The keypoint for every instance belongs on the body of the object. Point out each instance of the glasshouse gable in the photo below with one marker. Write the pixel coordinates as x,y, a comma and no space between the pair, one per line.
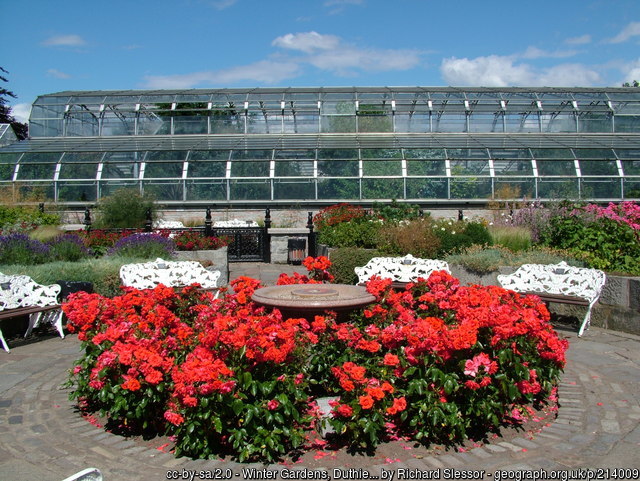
318,146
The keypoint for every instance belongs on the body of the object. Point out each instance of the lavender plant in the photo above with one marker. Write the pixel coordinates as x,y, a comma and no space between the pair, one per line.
68,247
144,246
18,248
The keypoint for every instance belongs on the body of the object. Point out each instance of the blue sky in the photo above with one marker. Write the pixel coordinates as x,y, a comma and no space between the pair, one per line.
55,45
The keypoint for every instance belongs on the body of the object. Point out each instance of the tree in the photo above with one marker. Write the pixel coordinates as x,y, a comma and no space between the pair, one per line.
635,83
21,130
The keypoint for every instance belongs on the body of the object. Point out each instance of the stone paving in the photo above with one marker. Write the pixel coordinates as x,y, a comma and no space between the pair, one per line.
598,425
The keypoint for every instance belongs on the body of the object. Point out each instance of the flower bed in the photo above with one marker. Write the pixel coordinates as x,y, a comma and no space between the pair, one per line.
437,362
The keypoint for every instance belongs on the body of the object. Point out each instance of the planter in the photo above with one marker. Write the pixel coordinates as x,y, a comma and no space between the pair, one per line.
217,258
69,287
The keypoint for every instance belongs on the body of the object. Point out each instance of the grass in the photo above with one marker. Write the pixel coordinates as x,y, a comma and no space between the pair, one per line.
514,238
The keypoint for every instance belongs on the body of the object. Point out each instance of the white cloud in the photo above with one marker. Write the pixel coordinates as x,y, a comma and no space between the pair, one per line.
631,71
503,71
265,71
306,42
581,40
21,112
343,60
534,52
64,41
52,72
631,30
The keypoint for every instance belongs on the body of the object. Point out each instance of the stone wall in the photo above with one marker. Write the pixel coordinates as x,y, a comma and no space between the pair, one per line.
217,257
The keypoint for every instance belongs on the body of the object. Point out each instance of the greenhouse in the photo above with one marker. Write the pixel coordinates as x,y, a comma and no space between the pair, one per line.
320,146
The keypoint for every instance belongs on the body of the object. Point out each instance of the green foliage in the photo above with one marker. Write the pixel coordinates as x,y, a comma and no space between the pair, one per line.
483,260
395,211
603,243
144,246
344,260
18,248
456,235
125,208
416,237
358,232
515,238
12,218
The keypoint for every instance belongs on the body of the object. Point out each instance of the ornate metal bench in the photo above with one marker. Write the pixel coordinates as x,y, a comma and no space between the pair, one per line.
170,273
22,296
400,269
558,283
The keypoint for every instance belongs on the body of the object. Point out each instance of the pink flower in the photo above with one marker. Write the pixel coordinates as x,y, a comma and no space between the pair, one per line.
273,404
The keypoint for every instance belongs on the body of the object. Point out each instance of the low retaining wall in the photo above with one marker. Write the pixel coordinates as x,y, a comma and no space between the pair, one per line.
217,257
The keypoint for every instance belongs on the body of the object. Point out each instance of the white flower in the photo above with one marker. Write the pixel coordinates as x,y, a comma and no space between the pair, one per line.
441,228
453,232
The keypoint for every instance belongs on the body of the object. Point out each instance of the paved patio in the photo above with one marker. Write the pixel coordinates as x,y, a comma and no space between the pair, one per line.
42,437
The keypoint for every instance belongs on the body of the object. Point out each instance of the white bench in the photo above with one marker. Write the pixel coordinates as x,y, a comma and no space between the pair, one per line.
170,273
400,270
558,283
22,296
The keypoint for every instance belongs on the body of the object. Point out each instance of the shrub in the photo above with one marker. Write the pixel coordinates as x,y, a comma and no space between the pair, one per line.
514,238
358,232
68,247
337,214
415,237
24,218
143,246
124,208
344,260
395,211
21,249
456,235
100,241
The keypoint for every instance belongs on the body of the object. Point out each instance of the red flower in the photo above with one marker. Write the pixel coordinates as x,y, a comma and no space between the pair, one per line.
390,359
273,404
344,411
366,402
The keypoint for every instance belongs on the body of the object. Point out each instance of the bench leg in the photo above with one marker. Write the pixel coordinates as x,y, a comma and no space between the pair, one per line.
34,320
58,322
4,343
587,321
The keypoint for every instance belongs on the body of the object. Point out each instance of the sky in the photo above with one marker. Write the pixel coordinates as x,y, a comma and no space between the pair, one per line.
56,45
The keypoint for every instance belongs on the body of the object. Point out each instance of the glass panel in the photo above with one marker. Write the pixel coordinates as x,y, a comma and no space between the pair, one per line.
209,155
425,154
227,121
294,168
595,122
513,167
82,157
632,188
522,122
247,168
337,189
119,165
207,169
450,123
596,154
264,124
338,116
9,158
337,153
418,122
558,188
385,168
603,188
40,157
556,167
6,171
338,168
432,188
119,123
163,170
207,190
78,170
109,187
36,171
552,154
295,154
470,188
520,188
250,190
303,189
251,154
466,167
381,153
598,167
622,123
382,189
467,154
165,155
183,125
426,167
558,123
631,167
34,190
164,190
76,192
486,122
82,124
374,118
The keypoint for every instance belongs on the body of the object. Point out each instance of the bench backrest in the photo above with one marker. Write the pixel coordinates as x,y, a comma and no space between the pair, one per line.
560,279
172,274
400,269
22,291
